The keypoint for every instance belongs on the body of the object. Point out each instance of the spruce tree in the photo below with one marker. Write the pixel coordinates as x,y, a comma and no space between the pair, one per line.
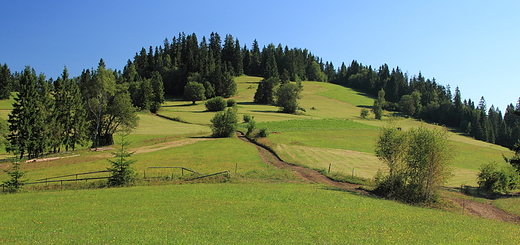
158,92
24,118
121,171
5,82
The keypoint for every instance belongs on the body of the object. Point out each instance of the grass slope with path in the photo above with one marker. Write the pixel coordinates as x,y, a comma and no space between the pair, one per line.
261,203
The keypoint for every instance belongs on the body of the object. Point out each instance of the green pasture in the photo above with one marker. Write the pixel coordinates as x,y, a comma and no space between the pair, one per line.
320,142
509,204
260,204
6,106
204,155
247,213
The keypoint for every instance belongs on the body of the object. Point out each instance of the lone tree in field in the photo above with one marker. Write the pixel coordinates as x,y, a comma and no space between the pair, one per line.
194,91
287,96
417,162
364,113
377,108
224,123
15,182
121,171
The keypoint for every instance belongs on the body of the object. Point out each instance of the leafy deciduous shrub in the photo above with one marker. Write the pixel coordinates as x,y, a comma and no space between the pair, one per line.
364,113
262,133
494,180
224,123
216,104
247,118
231,103
417,162
250,127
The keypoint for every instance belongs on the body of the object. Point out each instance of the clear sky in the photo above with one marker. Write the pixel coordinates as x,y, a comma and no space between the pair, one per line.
471,44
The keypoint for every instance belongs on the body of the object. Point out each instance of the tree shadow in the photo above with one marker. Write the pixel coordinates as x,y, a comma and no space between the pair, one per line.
361,193
202,137
266,111
247,103
183,105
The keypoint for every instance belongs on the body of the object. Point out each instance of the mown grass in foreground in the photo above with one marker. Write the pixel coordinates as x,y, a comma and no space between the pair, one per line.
253,213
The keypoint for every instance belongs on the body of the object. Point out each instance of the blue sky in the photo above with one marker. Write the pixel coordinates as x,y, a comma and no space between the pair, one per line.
470,44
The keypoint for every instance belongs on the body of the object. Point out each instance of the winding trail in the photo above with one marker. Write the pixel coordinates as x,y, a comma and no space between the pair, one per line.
484,210
308,175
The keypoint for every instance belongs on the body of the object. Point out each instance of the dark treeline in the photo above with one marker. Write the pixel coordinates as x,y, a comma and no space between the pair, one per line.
213,62
425,99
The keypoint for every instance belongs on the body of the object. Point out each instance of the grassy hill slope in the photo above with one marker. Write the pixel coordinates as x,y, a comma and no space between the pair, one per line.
260,204
247,213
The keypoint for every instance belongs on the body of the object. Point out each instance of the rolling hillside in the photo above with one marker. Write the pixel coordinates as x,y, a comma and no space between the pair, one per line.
259,199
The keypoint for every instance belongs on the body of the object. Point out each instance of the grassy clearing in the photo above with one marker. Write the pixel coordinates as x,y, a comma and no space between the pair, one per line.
509,204
252,213
204,155
343,162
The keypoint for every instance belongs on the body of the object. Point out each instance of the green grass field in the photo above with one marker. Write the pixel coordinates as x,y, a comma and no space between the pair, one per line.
248,213
259,204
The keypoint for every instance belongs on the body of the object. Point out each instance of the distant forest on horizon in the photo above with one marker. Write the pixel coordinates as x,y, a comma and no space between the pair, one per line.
213,62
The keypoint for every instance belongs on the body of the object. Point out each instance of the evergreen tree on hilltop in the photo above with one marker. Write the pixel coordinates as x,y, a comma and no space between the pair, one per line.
25,117
158,92
5,82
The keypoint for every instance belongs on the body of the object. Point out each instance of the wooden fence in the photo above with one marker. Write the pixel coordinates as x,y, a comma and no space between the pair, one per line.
189,170
77,177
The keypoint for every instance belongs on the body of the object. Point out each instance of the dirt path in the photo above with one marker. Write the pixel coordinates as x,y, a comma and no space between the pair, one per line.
306,174
484,210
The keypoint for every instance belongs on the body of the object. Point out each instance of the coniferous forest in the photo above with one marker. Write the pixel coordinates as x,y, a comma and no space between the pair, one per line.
51,114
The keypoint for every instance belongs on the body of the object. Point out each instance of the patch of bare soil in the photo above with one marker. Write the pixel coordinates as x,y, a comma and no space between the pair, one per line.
306,174
166,145
484,210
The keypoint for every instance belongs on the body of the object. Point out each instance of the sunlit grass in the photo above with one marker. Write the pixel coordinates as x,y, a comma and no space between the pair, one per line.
509,204
252,213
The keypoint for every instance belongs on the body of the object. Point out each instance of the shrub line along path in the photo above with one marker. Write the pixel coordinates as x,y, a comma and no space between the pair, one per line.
484,210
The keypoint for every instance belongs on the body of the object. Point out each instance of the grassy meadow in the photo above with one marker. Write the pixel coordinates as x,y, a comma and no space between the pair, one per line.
259,204
245,213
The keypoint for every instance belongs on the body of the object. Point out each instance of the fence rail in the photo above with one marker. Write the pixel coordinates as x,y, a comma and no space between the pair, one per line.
56,179
209,175
183,168
70,175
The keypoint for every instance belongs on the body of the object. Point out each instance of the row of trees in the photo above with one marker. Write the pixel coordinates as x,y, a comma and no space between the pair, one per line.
425,99
213,62
48,115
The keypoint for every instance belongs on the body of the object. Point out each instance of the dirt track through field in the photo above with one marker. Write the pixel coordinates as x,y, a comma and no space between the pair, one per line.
484,210
306,174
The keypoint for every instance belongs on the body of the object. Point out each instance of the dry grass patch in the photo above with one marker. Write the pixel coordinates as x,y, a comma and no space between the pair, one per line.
364,164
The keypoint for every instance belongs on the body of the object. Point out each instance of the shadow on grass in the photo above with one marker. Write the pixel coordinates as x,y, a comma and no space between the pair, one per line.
476,192
247,103
183,105
362,192
266,111
202,137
